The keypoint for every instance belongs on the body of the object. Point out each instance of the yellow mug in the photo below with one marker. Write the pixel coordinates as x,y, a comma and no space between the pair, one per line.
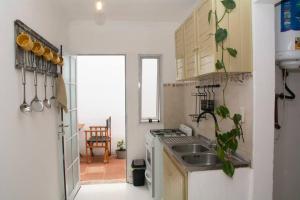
48,55
55,60
24,41
38,49
61,61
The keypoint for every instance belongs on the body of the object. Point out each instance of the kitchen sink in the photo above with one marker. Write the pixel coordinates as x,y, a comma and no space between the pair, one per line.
205,159
189,148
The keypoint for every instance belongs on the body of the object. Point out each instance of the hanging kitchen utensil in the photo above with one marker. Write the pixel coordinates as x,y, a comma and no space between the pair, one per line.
46,101
53,98
24,107
204,101
36,104
211,101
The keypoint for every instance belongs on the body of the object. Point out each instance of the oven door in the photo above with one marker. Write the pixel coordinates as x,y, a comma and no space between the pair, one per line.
149,173
149,156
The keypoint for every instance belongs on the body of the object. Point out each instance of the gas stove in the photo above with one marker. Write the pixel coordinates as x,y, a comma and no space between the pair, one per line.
154,158
167,132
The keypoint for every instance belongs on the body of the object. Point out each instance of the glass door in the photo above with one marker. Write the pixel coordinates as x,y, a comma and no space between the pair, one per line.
70,130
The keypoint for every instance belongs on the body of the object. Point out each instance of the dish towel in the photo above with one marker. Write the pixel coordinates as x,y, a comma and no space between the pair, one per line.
61,95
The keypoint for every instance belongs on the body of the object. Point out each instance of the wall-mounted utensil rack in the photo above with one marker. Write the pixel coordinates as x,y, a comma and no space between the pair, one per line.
28,60
205,99
208,86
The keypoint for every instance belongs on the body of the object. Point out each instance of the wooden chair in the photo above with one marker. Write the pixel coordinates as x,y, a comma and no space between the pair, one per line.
99,137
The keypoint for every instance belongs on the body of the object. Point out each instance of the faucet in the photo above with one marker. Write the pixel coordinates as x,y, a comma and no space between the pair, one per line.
214,117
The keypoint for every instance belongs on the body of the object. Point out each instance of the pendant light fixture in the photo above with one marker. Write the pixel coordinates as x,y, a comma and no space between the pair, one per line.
100,15
99,5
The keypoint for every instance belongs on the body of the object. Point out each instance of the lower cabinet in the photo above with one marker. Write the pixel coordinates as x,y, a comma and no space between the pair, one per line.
204,185
175,180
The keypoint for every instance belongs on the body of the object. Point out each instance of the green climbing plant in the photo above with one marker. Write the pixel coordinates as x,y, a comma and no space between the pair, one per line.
227,141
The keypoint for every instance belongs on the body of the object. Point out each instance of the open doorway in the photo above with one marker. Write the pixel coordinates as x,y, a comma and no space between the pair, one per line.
101,118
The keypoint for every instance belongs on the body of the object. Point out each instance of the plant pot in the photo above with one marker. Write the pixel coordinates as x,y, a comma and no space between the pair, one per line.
121,154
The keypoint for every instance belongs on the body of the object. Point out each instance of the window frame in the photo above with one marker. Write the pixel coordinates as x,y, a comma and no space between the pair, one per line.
140,85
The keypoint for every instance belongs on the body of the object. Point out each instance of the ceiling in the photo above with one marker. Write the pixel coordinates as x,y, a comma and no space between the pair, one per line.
128,10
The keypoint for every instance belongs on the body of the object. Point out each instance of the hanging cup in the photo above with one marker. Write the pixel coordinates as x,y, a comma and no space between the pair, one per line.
38,49
48,55
24,41
55,60
61,61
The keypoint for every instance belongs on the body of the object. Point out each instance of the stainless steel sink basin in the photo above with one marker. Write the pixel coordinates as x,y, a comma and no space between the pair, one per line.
189,148
205,159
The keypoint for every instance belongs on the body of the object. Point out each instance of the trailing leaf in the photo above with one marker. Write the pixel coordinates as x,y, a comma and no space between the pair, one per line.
223,111
220,153
209,16
228,168
229,4
227,142
221,35
236,132
232,52
232,144
219,65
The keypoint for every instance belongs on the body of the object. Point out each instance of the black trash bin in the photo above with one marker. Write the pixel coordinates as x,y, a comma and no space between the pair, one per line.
138,172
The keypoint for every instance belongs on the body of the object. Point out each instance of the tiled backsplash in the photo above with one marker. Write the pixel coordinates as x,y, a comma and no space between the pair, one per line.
179,104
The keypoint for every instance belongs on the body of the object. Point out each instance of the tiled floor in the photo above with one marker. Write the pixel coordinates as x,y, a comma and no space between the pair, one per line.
97,171
113,191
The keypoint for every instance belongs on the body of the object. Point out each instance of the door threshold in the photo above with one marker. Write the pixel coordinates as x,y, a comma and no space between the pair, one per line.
94,182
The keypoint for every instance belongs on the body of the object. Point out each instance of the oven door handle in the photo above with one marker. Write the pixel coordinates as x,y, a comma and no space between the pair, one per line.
147,177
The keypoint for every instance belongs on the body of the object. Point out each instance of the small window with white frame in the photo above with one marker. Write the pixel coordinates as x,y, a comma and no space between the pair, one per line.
149,88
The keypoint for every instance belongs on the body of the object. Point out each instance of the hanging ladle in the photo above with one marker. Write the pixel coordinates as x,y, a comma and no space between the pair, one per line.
36,104
24,107
46,101
52,99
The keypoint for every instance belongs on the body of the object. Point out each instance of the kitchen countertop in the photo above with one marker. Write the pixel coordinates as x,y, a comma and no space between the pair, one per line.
169,142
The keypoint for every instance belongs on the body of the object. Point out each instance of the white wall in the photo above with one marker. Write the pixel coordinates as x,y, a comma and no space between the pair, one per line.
100,94
30,168
263,98
130,38
286,154
238,95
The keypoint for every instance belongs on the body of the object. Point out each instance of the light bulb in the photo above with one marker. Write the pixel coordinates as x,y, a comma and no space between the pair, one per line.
99,5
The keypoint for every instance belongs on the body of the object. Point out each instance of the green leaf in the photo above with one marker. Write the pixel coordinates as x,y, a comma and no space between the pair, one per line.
223,112
219,65
233,144
222,140
228,168
220,153
221,35
209,16
229,4
235,132
232,52
237,118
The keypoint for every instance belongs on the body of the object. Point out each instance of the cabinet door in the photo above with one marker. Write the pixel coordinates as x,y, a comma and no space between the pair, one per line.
175,183
179,43
205,39
198,40
190,47
241,37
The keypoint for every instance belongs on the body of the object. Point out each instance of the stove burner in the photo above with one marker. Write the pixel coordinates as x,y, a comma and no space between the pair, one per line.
167,132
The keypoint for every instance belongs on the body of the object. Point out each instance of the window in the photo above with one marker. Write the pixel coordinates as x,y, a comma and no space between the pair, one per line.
149,86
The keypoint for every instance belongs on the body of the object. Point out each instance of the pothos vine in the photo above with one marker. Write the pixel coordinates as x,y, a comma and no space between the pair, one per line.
227,141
